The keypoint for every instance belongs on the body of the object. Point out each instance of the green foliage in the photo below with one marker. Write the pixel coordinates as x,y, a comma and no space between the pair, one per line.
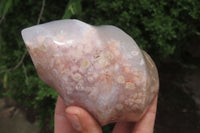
5,5
73,8
5,78
23,84
163,28
160,27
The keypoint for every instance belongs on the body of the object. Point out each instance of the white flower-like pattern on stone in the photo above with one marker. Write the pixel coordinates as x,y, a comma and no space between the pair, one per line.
99,68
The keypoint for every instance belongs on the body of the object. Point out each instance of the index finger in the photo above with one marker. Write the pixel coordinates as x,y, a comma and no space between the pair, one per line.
146,124
61,125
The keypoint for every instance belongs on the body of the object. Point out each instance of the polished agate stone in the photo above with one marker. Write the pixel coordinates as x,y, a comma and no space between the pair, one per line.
98,68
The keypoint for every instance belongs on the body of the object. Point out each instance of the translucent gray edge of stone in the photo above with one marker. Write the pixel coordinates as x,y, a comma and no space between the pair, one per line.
25,32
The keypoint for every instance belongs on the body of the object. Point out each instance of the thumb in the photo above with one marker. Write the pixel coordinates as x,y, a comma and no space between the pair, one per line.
82,121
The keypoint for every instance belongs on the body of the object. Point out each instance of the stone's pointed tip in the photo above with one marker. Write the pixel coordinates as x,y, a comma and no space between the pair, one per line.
23,32
27,35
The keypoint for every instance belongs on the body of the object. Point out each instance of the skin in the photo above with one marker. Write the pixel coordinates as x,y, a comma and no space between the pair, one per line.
64,121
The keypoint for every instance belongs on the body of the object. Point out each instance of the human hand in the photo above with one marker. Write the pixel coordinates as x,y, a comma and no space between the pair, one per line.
75,119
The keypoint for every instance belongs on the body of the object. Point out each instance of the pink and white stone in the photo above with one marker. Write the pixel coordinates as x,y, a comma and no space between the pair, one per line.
98,68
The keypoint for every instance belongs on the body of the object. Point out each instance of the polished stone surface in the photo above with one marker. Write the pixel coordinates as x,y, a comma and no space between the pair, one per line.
99,68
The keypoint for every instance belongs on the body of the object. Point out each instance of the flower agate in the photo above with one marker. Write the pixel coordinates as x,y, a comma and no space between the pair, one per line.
98,68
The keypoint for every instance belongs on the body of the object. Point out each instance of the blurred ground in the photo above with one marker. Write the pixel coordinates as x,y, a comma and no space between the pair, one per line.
13,120
179,97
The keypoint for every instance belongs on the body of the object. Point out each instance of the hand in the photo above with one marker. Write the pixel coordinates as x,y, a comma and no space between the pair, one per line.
75,119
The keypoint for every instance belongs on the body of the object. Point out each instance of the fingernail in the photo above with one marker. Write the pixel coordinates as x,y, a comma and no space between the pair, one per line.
75,121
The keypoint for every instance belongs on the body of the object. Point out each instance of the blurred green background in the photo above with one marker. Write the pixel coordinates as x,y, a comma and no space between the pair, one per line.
168,30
